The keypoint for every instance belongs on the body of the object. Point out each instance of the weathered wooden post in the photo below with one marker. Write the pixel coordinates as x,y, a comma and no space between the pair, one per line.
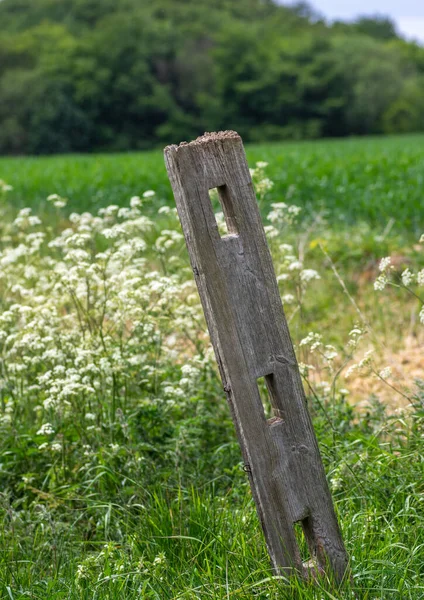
250,336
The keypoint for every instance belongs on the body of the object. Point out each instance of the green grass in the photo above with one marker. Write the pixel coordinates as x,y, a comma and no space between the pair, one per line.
159,507
371,179
112,539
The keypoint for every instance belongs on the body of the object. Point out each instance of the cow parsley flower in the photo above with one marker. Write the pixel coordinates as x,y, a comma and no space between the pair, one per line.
407,277
384,264
296,265
57,200
307,275
135,202
313,340
385,373
380,283
5,187
46,429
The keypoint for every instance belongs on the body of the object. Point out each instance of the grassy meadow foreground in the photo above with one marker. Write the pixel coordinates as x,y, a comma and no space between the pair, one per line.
120,475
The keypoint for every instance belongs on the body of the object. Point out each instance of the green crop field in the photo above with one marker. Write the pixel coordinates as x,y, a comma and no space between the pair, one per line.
120,474
374,179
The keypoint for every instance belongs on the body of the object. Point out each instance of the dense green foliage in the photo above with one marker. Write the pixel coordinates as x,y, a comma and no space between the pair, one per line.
78,75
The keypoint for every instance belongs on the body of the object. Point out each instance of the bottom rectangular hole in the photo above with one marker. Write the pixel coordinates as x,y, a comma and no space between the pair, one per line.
302,543
311,562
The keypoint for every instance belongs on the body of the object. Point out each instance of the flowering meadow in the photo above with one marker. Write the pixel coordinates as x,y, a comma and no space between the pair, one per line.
120,473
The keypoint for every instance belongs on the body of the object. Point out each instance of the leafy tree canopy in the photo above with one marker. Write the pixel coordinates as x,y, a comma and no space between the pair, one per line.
79,75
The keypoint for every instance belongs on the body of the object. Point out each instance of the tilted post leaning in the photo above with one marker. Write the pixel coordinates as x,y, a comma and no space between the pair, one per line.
239,293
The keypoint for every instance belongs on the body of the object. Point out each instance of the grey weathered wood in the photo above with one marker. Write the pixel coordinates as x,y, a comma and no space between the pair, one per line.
249,333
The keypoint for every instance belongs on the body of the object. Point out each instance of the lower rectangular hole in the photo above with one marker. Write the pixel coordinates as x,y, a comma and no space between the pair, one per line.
302,543
311,561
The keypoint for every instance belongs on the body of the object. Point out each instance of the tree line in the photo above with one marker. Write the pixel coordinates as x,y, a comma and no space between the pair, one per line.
82,75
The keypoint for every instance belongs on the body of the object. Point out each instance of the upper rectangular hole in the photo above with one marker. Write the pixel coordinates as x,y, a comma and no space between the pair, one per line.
266,389
223,209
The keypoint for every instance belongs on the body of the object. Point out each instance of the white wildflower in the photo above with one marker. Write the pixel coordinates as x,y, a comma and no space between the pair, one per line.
420,277
297,265
160,559
421,315
362,365
367,359
82,572
336,484
271,231
355,332
305,368
294,210
313,340
261,164
330,353
351,370
355,336
149,194
384,264
5,187
46,429
407,277
57,200
288,299
263,186
385,373
135,202
380,283
307,275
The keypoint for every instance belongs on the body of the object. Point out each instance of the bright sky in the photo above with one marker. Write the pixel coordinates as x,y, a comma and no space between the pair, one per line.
407,14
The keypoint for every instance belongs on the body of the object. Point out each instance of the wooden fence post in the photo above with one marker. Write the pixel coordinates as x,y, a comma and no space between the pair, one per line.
250,336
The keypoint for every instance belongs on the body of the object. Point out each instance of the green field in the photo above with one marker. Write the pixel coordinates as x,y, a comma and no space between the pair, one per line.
120,474
374,179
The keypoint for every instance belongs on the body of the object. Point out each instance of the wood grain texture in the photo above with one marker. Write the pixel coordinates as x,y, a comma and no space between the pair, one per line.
250,336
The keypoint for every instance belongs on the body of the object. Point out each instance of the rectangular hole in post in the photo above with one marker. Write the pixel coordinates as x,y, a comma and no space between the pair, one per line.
302,544
222,207
306,544
267,394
